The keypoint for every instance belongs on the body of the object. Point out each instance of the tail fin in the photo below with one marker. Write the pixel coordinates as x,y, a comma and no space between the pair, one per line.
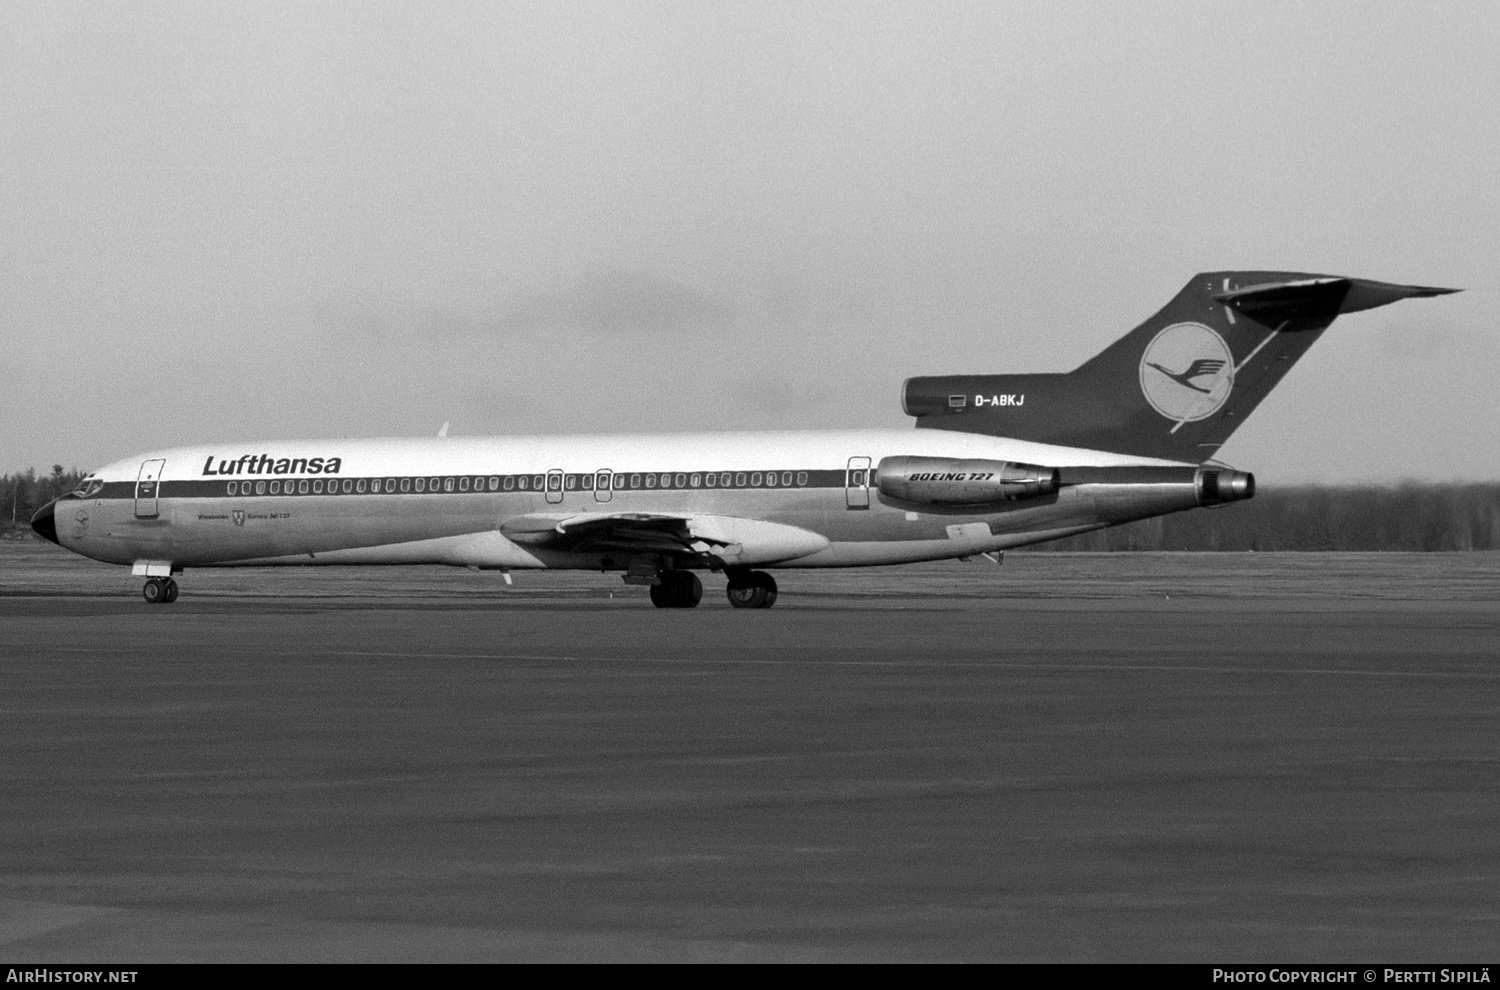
1174,387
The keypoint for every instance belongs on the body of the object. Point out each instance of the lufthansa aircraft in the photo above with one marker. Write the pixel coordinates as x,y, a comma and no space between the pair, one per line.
996,461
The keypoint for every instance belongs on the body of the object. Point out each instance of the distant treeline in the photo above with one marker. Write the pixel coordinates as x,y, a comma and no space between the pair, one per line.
23,494
1408,517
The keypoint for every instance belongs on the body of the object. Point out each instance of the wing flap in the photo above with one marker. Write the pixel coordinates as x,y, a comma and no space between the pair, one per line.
732,540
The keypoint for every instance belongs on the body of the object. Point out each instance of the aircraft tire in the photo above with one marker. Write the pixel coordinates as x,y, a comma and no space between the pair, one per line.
678,589
170,595
155,591
689,589
755,590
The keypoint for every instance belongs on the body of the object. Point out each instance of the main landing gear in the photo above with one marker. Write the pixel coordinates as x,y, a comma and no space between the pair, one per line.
682,589
678,589
757,589
160,591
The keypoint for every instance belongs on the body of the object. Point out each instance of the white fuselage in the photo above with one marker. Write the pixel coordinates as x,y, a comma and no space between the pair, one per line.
447,500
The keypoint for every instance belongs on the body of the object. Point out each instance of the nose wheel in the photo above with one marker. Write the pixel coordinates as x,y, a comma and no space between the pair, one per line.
754,590
159,591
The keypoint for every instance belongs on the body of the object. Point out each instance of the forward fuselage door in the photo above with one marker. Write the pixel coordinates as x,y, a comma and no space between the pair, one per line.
148,489
857,483
602,490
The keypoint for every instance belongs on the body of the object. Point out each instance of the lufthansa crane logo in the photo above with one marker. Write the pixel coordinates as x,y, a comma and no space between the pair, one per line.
1187,372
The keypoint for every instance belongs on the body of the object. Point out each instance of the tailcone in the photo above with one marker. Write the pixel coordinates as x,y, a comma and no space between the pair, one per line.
1219,486
44,522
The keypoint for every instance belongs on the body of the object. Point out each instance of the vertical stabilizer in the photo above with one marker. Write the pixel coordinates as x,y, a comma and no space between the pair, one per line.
1177,385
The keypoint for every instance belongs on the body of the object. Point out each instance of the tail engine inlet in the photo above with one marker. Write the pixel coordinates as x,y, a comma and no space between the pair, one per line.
953,481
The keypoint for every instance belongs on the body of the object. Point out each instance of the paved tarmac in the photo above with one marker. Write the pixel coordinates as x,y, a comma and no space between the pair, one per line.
1073,757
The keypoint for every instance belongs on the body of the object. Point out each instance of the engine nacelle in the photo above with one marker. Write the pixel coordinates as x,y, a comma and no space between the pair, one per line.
957,481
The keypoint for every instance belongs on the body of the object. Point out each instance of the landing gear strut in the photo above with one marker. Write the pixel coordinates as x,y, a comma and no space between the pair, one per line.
160,591
756,589
678,589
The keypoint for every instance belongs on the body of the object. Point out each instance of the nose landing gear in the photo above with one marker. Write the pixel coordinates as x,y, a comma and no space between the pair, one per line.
160,591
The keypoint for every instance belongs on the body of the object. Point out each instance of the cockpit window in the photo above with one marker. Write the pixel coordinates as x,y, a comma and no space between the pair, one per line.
89,487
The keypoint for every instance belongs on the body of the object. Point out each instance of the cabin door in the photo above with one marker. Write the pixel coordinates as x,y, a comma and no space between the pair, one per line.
147,489
857,483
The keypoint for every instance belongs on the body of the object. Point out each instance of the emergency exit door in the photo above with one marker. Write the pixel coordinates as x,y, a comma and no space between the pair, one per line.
857,483
147,489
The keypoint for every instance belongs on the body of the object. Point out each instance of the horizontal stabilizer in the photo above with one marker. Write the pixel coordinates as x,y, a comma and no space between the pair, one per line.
1321,296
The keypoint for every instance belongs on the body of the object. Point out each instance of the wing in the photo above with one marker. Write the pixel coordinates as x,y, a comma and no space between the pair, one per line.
730,540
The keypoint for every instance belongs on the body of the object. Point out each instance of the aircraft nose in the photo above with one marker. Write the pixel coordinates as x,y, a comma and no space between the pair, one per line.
43,522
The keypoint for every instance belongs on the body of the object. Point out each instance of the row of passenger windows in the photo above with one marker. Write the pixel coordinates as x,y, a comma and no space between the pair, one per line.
526,482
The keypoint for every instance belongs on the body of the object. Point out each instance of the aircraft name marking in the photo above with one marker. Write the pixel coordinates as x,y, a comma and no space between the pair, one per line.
954,476
266,464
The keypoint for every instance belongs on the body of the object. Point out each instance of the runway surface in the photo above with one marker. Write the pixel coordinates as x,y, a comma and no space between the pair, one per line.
1073,757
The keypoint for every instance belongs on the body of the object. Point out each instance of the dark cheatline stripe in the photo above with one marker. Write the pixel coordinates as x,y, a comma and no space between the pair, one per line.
621,482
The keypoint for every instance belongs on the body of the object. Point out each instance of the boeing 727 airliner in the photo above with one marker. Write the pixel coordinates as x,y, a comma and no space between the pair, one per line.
996,461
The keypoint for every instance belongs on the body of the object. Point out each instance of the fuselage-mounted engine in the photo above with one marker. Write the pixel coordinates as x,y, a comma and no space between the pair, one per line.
960,481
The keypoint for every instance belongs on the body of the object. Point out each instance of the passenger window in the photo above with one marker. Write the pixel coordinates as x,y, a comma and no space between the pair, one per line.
710,478
301,488
586,482
739,480
359,486
536,482
494,484
554,483
317,487
347,486
695,480
463,484
233,487
619,481
755,480
390,484
635,481
786,477
666,481
801,477
650,481
406,484
522,482
510,483
771,478
682,481
570,481
479,484
447,484
275,487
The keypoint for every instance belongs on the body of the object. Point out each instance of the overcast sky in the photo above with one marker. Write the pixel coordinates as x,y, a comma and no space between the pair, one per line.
230,222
